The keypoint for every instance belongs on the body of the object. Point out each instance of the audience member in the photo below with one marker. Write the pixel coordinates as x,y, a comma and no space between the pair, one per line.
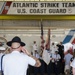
67,59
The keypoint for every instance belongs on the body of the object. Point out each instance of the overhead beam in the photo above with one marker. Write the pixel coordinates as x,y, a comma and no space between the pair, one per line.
37,17
32,28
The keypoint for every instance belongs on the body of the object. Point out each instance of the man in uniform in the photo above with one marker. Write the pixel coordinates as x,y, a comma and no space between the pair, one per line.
16,62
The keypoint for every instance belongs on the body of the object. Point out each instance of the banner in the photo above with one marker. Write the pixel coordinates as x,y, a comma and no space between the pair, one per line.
37,8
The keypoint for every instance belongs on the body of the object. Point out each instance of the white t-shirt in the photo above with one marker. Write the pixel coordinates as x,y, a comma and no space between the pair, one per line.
35,47
56,57
53,49
16,63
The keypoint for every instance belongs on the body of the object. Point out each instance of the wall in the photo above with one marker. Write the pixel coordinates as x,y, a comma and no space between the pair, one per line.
28,36
32,24
29,30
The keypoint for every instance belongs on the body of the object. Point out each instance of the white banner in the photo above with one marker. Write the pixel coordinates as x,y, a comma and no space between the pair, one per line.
40,8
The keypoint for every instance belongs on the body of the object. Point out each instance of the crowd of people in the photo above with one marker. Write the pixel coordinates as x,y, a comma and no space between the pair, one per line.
60,63
18,61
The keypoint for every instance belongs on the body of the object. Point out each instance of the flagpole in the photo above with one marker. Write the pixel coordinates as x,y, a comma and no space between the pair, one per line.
49,37
42,37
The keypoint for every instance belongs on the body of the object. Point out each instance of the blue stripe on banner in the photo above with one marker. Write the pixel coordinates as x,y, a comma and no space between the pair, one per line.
69,36
2,7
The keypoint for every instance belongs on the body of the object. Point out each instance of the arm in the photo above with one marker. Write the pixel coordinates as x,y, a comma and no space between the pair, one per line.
38,64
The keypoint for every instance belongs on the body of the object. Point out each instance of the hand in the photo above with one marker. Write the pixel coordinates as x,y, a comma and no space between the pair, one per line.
25,51
52,58
38,63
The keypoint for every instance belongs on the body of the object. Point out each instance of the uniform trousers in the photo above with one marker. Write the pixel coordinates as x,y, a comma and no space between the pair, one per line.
49,68
56,68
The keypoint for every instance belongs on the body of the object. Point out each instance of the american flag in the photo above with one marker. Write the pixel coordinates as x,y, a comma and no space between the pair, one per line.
46,55
48,40
42,37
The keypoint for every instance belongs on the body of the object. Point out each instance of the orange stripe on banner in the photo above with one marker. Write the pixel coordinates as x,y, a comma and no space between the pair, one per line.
6,7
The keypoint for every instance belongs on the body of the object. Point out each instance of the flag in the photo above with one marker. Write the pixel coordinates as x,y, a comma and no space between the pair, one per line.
68,46
46,54
42,38
46,57
48,40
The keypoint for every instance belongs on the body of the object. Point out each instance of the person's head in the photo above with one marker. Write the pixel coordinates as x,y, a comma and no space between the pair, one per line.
56,51
1,44
68,51
34,42
36,51
52,43
16,43
60,43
